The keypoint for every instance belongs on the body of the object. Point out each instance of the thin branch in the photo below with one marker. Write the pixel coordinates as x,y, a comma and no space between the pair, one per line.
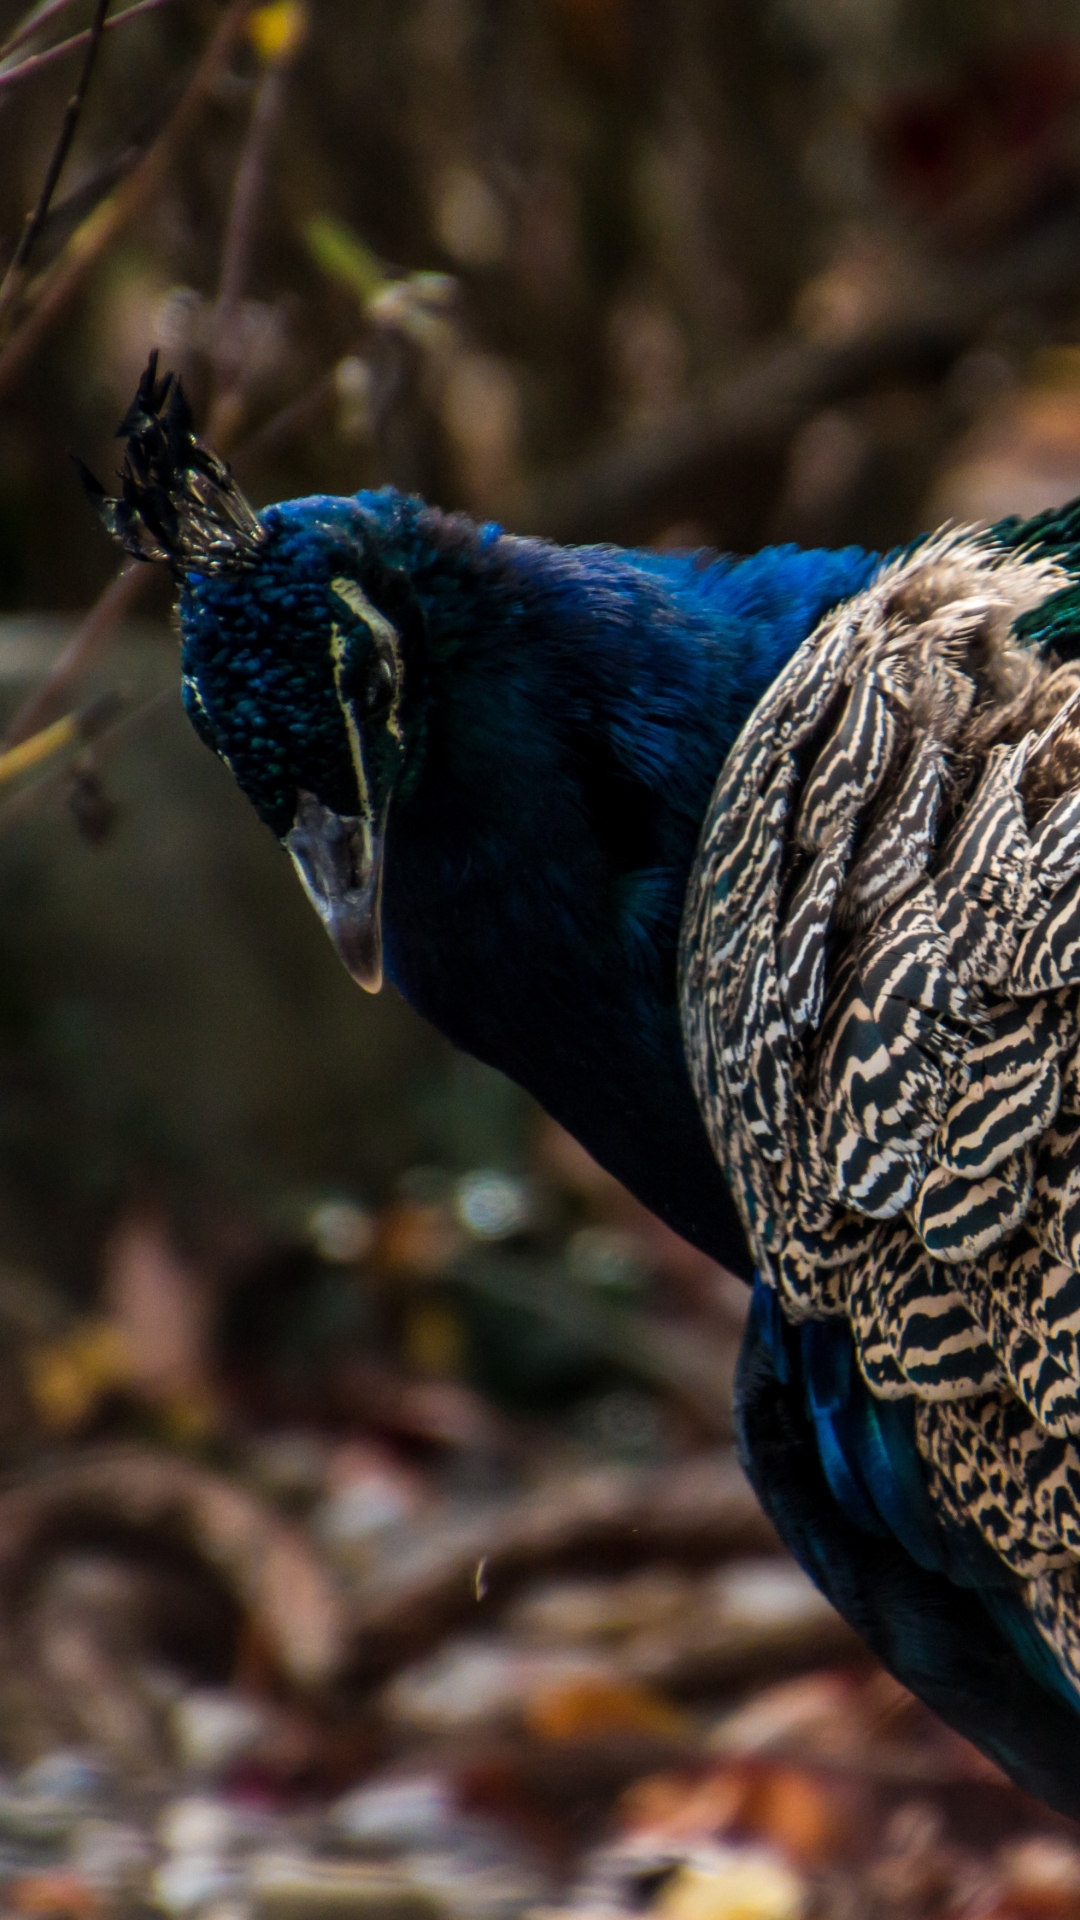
34,62
269,1564
618,491
75,729
295,415
22,803
238,242
238,239
236,254
700,1508
62,280
32,23
94,632
85,646
13,279
66,214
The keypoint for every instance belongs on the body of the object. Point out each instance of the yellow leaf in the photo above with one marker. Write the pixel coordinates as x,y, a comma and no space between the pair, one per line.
736,1885
58,1389
67,1378
276,30
591,1707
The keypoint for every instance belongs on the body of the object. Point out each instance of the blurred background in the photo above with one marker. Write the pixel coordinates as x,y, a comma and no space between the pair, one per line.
370,1539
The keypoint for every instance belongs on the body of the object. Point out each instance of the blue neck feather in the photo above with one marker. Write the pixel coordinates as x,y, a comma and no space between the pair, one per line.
579,706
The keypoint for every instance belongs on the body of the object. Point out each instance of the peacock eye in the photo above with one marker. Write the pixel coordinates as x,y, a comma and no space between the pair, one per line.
381,686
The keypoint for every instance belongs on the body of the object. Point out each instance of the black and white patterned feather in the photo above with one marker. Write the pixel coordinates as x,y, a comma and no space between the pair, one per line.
880,992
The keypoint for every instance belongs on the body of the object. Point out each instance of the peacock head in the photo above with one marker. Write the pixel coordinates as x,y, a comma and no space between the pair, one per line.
301,657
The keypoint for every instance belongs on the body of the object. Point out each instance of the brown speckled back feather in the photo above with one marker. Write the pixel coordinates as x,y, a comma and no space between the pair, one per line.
880,985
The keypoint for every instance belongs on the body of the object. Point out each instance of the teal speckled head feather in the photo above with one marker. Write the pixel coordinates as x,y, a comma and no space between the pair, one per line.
283,716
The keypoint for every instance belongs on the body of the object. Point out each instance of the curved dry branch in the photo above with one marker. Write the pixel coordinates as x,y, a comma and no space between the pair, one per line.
266,1564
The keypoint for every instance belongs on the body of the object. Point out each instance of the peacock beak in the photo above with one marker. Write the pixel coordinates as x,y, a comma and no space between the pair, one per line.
339,859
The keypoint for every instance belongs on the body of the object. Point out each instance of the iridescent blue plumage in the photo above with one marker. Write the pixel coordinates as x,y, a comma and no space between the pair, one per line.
502,754
571,708
960,1638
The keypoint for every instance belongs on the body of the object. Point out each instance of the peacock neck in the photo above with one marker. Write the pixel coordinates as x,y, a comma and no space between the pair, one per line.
579,706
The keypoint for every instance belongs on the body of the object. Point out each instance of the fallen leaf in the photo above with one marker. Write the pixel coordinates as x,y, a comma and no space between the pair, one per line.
583,1708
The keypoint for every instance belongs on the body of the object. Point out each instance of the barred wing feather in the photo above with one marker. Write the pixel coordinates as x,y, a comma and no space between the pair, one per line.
880,991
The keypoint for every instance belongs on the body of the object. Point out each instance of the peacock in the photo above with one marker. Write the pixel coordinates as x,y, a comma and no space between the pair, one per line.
762,875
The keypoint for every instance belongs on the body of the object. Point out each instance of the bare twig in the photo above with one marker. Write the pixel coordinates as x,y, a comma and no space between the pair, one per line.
607,495
617,492
84,647
75,729
13,279
95,630
62,280
34,62
699,1508
238,240
268,1565
52,779
295,415
692,1364
32,23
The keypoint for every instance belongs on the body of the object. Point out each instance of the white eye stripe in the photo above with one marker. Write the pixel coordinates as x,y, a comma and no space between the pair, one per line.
337,654
358,603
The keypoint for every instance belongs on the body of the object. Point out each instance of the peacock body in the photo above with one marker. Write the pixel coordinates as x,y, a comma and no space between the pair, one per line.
770,863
